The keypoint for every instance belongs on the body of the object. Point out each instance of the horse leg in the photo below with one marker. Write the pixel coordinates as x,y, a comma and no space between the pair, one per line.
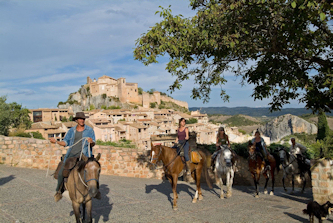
89,208
174,190
198,192
284,176
266,182
304,182
198,172
221,185
83,212
230,176
293,183
76,208
273,181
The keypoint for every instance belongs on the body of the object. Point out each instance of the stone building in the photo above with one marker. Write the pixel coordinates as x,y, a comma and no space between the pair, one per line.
48,114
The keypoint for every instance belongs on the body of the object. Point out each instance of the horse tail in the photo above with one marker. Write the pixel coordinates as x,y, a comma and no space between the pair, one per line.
206,162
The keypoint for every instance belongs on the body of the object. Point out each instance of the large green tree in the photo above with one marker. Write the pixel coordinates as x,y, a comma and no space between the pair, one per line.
12,115
284,48
323,129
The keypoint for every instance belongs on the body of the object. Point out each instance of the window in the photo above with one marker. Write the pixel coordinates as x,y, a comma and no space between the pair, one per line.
37,116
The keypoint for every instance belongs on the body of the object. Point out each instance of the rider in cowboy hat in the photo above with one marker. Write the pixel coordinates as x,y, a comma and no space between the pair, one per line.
74,139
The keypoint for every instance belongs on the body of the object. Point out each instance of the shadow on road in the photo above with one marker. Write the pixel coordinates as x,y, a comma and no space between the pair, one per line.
102,208
5,180
296,217
165,188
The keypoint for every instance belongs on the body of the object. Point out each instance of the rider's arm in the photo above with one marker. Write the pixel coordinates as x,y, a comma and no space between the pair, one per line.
187,134
228,140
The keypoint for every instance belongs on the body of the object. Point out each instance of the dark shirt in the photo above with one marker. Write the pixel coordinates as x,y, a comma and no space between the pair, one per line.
76,150
258,146
181,135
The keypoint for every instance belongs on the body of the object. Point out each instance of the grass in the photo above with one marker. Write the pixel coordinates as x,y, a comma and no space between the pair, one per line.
122,143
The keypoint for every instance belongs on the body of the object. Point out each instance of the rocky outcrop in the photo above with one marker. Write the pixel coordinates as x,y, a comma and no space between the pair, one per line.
286,125
83,101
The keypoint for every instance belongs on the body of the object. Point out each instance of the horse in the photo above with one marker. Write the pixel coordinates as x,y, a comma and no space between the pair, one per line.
257,167
224,164
83,184
173,165
291,167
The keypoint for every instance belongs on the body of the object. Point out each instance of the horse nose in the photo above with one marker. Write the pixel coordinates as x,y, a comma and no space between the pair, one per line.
228,163
93,191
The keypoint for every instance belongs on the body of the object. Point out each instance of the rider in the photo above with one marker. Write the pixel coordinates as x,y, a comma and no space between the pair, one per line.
182,138
261,147
222,139
297,150
74,137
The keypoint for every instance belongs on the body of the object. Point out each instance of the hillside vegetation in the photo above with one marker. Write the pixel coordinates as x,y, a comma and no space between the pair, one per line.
254,112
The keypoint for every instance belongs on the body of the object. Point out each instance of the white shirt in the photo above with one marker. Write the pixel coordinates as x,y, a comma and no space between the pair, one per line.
297,149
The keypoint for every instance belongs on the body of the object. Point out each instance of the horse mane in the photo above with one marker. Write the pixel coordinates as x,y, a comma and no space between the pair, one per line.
287,153
81,164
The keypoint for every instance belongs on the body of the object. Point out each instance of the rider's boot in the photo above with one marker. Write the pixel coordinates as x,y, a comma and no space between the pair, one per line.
57,196
189,178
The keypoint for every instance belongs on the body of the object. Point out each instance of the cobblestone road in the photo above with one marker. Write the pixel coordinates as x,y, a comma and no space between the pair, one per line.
26,195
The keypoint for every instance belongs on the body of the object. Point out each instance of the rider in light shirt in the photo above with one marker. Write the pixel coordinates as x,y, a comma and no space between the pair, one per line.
298,149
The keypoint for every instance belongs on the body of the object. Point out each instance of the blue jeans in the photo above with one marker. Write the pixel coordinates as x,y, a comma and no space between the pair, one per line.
186,148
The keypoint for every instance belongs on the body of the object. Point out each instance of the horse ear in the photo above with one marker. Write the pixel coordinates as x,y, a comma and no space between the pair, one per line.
84,158
98,156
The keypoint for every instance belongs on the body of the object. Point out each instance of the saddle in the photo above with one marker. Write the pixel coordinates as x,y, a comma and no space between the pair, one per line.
195,157
69,165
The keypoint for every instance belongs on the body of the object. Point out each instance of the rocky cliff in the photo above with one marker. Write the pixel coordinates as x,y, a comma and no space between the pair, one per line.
286,125
82,100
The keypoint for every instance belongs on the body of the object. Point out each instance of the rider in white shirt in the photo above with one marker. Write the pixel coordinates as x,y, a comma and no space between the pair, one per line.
297,148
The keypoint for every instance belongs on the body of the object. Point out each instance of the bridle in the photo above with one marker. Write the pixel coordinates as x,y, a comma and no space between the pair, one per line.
84,181
290,162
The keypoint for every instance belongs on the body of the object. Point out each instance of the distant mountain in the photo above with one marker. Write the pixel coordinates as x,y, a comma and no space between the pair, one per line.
254,112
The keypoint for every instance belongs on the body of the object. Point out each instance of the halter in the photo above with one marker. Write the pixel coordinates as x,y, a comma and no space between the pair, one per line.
164,166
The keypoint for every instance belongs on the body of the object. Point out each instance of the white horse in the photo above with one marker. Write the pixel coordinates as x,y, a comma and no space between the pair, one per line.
224,165
290,166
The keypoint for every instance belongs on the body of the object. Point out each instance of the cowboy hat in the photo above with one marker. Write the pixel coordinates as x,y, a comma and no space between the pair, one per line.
79,115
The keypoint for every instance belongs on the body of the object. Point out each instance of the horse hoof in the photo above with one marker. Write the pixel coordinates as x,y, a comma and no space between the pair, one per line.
194,201
200,197
221,197
271,193
175,208
256,196
265,191
229,194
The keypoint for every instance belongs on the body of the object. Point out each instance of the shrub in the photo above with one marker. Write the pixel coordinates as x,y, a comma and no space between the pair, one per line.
153,105
192,121
37,135
23,134
103,96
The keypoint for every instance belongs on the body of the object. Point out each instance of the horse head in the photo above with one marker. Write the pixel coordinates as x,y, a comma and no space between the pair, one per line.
227,155
283,154
91,172
155,153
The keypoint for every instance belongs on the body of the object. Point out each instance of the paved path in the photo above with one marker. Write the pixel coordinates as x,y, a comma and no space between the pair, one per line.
26,195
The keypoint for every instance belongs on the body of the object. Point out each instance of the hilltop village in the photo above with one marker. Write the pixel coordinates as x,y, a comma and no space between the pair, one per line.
139,122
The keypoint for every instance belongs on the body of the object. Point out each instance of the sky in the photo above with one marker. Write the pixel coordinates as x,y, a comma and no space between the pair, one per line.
49,48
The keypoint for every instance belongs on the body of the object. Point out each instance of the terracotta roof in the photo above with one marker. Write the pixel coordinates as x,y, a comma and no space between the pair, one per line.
118,129
41,125
138,126
69,124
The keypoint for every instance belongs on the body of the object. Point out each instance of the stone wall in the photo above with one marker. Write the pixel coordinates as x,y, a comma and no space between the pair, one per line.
322,181
41,154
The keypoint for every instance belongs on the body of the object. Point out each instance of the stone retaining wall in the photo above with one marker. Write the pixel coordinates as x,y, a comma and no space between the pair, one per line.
322,181
41,154
128,162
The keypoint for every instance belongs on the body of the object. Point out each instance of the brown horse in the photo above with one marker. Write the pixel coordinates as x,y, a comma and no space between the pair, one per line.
173,165
83,185
257,167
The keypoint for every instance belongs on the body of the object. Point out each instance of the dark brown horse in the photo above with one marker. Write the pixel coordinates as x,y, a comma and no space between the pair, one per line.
257,167
173,165
83,185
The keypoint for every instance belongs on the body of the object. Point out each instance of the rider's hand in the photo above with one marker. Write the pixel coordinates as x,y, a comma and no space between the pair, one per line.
90,140
52,140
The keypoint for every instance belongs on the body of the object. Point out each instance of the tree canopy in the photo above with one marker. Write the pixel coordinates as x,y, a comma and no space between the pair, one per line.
12,115
283,48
